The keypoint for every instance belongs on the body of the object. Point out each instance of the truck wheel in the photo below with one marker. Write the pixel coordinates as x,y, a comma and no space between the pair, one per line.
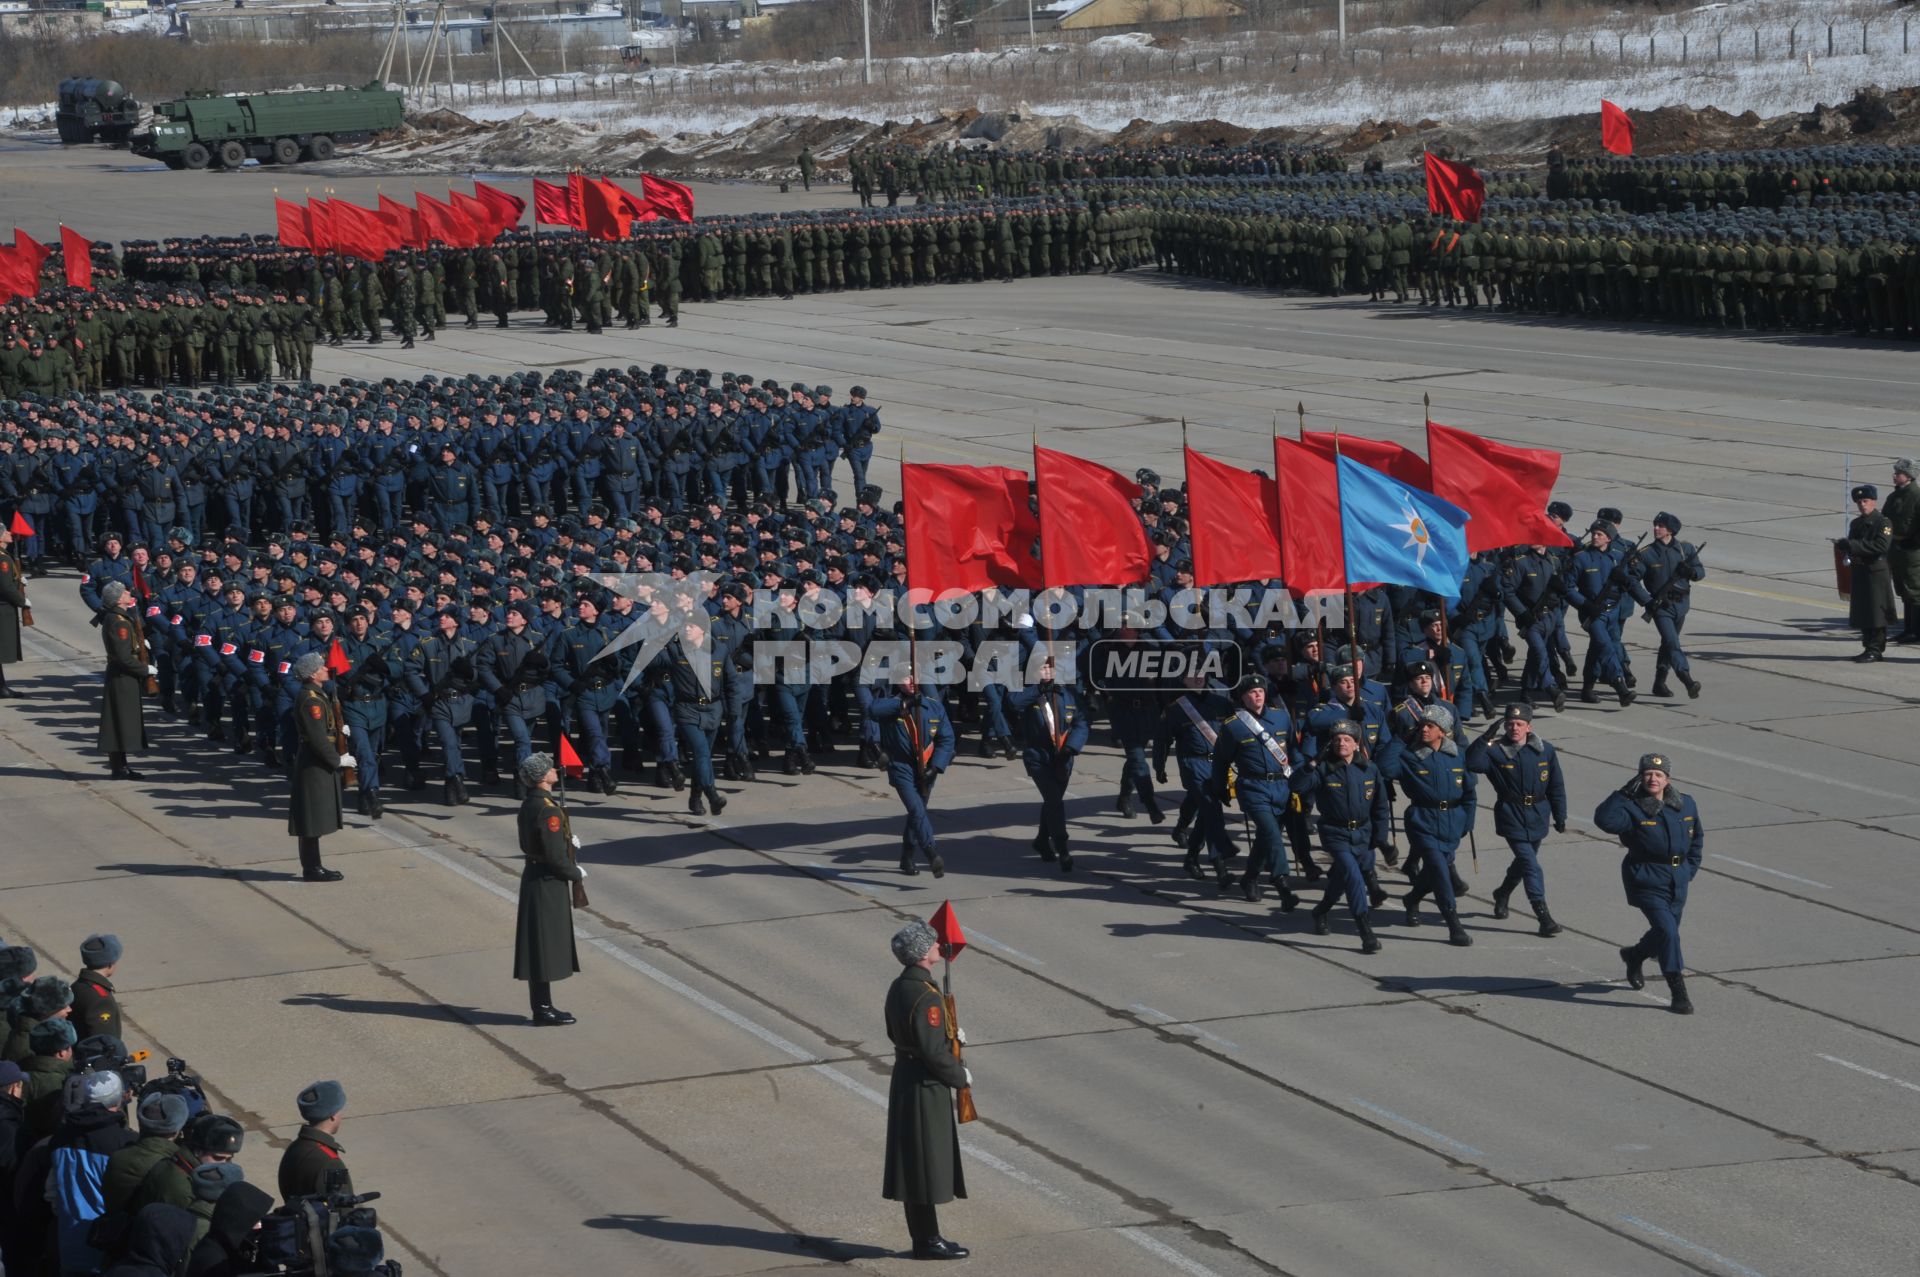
321,147
72,133
232,155
196,156
286,151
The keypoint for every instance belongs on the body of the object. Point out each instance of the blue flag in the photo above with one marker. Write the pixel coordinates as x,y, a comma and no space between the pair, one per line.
1399,535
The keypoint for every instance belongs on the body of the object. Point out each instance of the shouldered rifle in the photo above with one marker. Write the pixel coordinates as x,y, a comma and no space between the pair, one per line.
962,1098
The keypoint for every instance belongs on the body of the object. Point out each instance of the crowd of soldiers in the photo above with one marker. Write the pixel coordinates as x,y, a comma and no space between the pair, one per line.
892,170
107,1170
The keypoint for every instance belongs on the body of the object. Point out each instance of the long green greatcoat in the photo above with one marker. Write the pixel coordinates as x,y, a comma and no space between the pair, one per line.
923,1139
543,948
1902,508
313,811
13,597
1872,604
122,730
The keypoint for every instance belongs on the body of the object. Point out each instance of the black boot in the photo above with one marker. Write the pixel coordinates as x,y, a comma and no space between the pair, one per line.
608,785
1500,894
1369,943
1692,685
715,801
1548,927
1043,845
1125,805
1376,894
311,870
1677,985
1587,693
1192,865
697,804
1288,900
1633,960
791,764
1625,693
1412,905
1250,886
1320,912
1456,934
908,865
806,763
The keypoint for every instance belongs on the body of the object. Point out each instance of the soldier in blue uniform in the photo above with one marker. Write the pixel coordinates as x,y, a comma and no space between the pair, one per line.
859,423
1135,716
1189,729
1053,728
1594,588
919,744
1528,791
1660,578
443,675
514,669
1441,801
591,689
1350,798
1660,828
1253,760
362,690
694,672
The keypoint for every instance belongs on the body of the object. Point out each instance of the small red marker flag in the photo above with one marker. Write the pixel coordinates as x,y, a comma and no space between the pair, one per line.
570,759
1616,129
337,662
946,926
19,526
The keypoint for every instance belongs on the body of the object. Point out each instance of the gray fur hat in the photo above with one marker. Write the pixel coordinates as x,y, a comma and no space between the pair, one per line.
45,996
1904,466
111,593
162,1114
534,768
912,941
101,950
321,1101
307,666
210,1179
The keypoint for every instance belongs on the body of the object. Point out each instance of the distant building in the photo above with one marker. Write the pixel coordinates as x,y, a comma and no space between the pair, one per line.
1098,14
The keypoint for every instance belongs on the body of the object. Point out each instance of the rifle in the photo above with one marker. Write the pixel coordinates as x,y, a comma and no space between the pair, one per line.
963,1097
337,720
151,687
1666,591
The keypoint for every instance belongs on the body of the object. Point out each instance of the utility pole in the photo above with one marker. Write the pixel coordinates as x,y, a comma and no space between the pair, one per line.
1343,25
866,37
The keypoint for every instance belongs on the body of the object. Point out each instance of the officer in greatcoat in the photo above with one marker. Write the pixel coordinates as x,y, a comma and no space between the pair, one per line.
923,1137
313,810
543,948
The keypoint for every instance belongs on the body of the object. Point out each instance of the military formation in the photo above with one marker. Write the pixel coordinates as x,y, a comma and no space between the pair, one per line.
108,1170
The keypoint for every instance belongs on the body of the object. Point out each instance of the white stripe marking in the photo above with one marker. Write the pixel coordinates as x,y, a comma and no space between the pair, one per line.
1694,747
1695,1247
991,943
1163,1018
1446,1141
1778,873
798,1052
1874,1073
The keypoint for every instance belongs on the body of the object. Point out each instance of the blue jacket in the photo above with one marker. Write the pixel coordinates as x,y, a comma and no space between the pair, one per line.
898,715
1350,800
1441,793
1527,786
80,1149
1663,842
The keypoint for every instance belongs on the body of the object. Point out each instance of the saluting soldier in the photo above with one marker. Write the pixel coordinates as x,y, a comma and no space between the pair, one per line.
123,730
1872,608
1528,789
1351,799
314,809
1660,828
923,1169
543,948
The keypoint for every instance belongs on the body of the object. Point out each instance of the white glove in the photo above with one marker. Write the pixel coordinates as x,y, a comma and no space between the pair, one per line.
969,1075
26,603
962,1035
152,670
348,760
575,840
583,872
346,730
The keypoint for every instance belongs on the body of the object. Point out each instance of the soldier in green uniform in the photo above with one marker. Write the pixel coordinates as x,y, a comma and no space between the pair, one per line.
314,1163
94,1008
406,296
543,948
122,729
314,809
923,1139
1903,553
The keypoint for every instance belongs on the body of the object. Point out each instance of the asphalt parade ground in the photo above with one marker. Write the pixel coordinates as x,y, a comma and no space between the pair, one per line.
1170,1081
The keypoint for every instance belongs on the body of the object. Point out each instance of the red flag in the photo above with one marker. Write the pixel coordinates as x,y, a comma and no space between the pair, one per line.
606,212
506,207
404,221
292,222
361,231
77,252
946,926
320,226
18,276
1404,464
577,199
1235,520
337,662
569,759
638,209
32,249
968,528
1454,189
1504,488
443,221
552,205
19,525
670,199
479,215
1090,533
1616,129
1309,520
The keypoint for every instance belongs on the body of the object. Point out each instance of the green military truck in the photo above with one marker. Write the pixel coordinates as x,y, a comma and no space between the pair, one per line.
95,110
208,129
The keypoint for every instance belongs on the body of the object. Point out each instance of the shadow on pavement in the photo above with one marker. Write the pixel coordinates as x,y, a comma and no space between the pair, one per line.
682,1233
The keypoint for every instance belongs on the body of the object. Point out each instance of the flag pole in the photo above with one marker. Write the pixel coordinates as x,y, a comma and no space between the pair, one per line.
913,631
1439,678
1353,617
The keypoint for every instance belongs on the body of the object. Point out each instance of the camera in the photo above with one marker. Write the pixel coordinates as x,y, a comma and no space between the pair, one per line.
177,1081
293,1240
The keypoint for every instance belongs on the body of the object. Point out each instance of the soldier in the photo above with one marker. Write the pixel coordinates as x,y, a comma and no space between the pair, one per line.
94,1010
1351,800
923,1168
313,1164
1441,797
314,808
1189,732
1055,731
14,605
123,730
543,948
1660,828
1593,588
919,743
1903,555
693,668
805,163
1528,788
1253,760
1872,607
1660,578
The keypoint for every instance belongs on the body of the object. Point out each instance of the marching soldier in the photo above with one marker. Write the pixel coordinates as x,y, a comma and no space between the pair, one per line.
919,742
1528,788
550,887
1351,800
1441,800
1872,607
1253,761
1660,578
1593,587
1660,828
314,811
923,1169
1054,729
1189,732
